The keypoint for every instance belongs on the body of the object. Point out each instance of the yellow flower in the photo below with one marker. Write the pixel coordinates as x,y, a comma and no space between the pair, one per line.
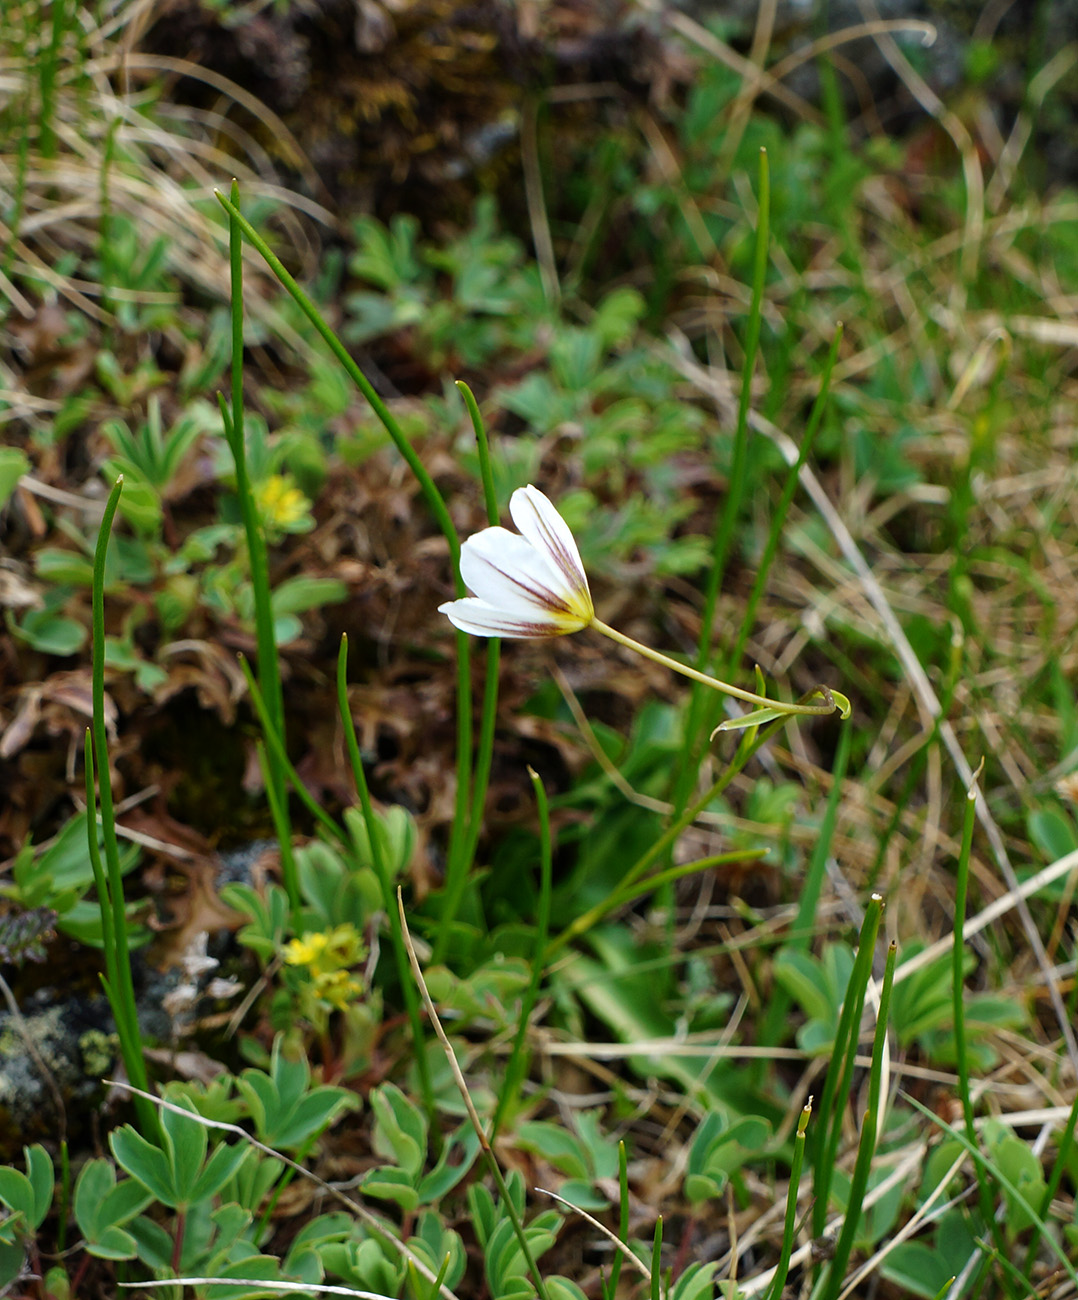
305,951
326,952
338,988
281,504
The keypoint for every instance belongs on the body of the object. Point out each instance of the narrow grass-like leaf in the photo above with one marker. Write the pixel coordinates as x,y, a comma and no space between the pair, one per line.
518,1056
385,884
774,1025
269,676
789,1226
463,847
610,1285
840,1070
434,499
47,67
750,743
958,1002
866,1148
656,1260
726,524
778,519
975,1153
121,988
275,744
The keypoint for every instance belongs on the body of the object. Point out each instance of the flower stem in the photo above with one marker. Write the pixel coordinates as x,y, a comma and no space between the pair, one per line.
747,696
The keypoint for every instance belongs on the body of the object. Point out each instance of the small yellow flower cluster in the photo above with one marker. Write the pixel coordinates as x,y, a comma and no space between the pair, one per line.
282,507
328,956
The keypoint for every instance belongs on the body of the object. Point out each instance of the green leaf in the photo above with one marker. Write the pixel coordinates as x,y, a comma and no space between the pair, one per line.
145,1162
286,1112
112,1243
51,634
71,568
1052,832
222,1165
13,465
296,595
400,1129
389,1184
185,1141
458,1156
16,1192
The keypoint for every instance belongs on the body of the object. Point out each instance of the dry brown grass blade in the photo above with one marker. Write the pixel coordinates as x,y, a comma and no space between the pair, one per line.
923,93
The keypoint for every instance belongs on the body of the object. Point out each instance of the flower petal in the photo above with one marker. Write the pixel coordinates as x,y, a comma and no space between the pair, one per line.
473,615
510,574
539,522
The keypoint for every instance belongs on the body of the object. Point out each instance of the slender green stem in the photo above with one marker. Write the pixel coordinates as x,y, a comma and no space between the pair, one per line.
1014,1193
282,827
840,1070
610,1287
49,62
269,677
749,745
819,710
385,884
627,893
866,1148
517,1064
127,1030
482,443
790,486
1059,1168
435,500
789,1227
726,524
656,1260
121,983
275,744
464,838
108,931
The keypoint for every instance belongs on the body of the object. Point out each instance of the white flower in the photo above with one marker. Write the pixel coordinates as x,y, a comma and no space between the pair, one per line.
527,586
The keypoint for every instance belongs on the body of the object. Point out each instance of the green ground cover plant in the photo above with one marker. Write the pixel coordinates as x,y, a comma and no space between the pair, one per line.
563,980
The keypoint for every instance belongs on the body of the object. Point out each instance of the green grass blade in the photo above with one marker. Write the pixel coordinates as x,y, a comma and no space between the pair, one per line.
789,1226
726,524
840,1070
269,676
789,487
121,985
610,1285
385,884
775,1020
434,499
518,1056
465,839
275,744
656,1260
866,1148
978,1157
